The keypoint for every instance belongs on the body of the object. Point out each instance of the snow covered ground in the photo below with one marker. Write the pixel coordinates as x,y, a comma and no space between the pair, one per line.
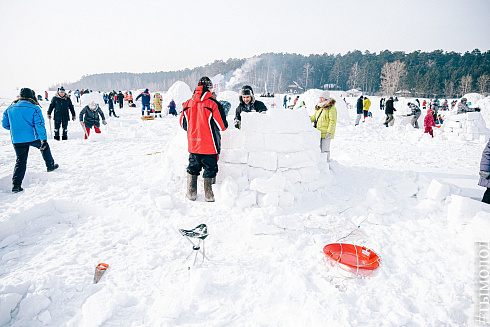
412,199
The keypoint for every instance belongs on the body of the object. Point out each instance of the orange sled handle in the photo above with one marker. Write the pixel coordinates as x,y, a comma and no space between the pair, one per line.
102,266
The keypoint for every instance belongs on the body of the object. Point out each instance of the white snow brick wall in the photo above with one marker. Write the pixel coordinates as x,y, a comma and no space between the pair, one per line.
278,152
470,126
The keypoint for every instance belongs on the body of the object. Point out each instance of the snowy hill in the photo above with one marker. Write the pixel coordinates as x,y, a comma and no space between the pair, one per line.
412,199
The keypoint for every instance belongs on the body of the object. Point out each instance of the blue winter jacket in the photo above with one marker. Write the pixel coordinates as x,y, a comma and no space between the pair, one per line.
485,165
145,98
25,122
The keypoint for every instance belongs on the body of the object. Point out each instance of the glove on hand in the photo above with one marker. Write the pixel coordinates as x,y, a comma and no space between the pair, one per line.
328,135
485,174
49,116
73,118
104,122
44,145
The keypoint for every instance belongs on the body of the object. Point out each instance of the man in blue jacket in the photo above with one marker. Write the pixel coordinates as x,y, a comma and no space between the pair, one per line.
24,119
145,102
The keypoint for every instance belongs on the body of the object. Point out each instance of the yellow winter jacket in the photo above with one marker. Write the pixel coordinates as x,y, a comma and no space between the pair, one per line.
158,102
328,119
366,104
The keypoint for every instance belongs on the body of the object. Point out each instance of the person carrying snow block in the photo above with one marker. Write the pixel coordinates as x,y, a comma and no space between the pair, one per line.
89,117
247,104
203,121
171,108
157,100
62,106
24,119
416,113
145,102
325,120
485,173
429,123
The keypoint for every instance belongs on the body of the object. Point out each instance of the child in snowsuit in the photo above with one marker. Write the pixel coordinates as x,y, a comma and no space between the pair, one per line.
111,109
429,123
89,116
158,104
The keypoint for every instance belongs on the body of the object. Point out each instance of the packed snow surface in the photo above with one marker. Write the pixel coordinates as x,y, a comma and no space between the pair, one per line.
117,199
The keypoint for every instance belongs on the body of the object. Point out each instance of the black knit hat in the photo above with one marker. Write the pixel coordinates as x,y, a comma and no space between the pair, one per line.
27,93
206,82
61,89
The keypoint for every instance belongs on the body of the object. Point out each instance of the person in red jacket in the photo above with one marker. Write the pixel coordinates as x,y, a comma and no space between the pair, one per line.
429,123
203,119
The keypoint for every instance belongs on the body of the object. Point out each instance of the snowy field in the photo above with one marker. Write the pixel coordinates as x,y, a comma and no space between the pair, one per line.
412,199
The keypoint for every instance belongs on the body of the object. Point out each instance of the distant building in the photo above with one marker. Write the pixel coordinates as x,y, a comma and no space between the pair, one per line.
355,93
295,88
403,93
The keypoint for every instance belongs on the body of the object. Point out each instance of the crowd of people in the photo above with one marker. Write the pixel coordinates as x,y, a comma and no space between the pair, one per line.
202,116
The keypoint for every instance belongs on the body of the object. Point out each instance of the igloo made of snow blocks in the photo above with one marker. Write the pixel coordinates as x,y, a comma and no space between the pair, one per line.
467,127
277,153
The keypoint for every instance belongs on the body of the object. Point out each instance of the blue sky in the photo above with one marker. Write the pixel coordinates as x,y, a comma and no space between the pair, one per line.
46,42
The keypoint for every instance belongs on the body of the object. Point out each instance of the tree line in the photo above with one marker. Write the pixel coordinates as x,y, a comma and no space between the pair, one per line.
421,74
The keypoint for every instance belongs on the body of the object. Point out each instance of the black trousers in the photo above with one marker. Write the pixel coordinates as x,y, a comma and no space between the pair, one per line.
22,152
199,161
57,124
486,196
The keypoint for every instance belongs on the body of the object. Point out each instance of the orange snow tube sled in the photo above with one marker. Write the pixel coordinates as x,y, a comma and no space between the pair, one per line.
356,259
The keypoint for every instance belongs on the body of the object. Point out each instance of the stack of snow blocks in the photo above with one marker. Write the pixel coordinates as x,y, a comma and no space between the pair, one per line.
274,157
469,127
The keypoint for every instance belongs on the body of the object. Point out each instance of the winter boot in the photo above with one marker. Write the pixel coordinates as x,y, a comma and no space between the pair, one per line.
53,167
57,138
213,180
208,190
64,137
191,187
16,188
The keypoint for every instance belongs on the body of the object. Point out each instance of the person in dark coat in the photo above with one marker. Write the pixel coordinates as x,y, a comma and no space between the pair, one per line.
25,122
360,109
171,108
485,173
120,99
390,108
89,117
247,104
62,106
111,108
145,102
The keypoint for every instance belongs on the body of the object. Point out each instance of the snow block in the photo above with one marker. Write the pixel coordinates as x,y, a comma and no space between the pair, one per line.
232,139
255,122
274,184
453,124
254,141
246,199
292,175
8,302
262,159
289,121
255,172
237,156
228,169
309,174
438,190
268,200
300,159
286,199
462,209
473,116
478,228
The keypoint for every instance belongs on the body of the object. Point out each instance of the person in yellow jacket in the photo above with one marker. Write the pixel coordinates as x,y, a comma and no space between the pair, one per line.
366,104
325,120
158,104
